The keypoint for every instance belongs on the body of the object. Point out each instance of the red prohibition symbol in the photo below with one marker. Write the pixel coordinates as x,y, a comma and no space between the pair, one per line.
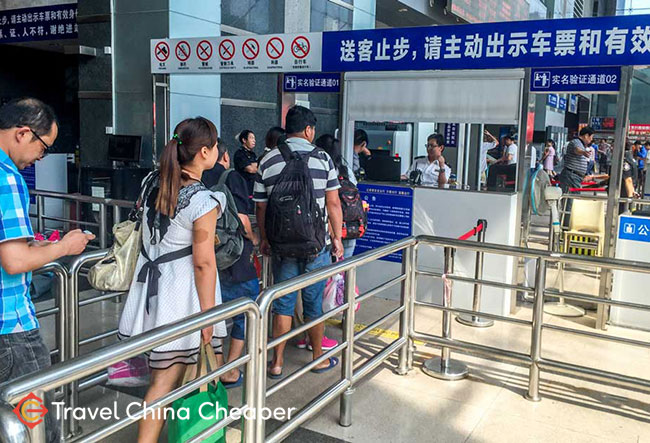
183,50
161,51
226,49
204,50
251,49
300,47
275,48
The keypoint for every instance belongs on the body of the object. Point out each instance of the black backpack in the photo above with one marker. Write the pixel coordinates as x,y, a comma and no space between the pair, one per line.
295,223
355,219
229,228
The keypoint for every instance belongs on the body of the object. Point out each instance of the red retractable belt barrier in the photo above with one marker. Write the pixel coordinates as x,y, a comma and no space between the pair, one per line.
587,189
472,232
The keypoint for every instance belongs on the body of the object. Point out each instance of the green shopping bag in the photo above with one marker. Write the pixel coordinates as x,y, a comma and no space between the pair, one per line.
189,423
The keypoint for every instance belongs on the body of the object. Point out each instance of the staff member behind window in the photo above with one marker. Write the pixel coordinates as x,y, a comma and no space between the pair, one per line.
510,151
245,161
435,171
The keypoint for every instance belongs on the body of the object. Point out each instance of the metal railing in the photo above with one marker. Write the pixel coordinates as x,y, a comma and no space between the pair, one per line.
257,392
101,225
349,375
72,371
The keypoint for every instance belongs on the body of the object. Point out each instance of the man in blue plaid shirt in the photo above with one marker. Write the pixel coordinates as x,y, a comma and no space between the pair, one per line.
28,128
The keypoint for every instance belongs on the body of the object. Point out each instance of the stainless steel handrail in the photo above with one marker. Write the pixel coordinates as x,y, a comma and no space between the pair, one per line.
342,387
74,370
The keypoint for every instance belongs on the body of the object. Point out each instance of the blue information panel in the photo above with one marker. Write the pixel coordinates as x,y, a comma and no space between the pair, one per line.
390,217
451,135
316,82
552,100
599,79
598,41
562,104
634,228
43,23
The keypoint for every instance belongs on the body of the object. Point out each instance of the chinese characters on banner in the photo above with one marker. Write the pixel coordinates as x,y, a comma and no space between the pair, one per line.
256,53
639,130
600,79
43,23
599,41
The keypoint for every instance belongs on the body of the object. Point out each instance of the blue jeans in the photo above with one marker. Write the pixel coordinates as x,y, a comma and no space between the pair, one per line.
23,353
233,291
348,247
285,268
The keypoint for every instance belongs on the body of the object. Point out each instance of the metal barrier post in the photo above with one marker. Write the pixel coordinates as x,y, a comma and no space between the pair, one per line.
475,320
405,316
536,338
252,325
347,366
444,367
116,214
412,295
102,226
267,275
40,210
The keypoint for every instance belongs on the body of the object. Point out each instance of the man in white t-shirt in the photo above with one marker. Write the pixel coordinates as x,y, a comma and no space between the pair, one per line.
434,170
509,152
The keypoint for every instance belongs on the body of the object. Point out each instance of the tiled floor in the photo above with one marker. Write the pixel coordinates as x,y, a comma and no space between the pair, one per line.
488,406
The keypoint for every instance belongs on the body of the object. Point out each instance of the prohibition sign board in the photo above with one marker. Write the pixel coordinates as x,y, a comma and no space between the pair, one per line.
300,47
183,50
275,48
226,49
204,50
162,51
250,49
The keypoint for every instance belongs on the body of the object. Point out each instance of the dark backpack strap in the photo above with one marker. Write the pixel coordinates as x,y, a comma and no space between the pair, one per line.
286,152
150,270
224,177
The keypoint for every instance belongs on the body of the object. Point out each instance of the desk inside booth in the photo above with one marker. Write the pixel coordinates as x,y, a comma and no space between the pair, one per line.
400,210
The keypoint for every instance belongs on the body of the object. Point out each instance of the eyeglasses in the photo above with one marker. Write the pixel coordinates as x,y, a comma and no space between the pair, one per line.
47,147
429,145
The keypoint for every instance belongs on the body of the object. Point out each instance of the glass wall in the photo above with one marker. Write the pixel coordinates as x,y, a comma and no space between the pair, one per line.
328,16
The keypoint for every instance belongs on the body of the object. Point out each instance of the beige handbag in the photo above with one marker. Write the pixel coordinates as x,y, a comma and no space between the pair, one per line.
115,271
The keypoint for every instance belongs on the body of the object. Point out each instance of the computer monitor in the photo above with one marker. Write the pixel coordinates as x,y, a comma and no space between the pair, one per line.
383,168
124,148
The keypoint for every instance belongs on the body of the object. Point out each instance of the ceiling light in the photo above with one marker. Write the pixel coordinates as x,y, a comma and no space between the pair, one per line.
402,10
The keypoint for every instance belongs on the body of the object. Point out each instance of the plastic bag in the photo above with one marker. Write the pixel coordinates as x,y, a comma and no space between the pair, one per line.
131,373
334,295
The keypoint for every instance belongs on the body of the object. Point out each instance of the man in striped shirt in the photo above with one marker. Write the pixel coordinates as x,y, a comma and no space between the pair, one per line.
576,164
301,129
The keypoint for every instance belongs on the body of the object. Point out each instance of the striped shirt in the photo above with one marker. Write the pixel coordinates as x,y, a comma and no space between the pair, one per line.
322,169
574,161
17,312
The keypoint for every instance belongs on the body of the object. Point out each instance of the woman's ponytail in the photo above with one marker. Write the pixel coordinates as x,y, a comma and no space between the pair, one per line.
170,179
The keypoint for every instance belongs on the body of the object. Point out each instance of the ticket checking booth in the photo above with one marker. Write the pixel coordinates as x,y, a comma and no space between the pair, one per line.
429,82
463,97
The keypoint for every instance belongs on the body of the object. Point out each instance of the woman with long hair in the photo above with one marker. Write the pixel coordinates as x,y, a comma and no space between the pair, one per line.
176,274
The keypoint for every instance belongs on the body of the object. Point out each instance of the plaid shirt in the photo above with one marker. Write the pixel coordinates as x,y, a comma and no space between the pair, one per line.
16,309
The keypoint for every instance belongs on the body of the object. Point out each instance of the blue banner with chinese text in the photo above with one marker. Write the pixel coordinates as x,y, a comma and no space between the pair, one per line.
598,41
54,22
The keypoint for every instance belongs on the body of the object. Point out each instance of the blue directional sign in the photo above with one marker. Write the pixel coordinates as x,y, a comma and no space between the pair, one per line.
597,79
552,100
598,41
634,228
312,82
562,104
389,219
